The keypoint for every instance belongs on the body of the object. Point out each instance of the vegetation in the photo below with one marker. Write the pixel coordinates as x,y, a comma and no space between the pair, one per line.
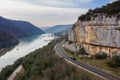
99,63
6,40
101,55
83,51
108,10
6,72
70,42
114,62
43,64
118,28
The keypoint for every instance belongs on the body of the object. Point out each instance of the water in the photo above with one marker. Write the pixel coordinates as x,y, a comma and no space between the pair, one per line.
25,46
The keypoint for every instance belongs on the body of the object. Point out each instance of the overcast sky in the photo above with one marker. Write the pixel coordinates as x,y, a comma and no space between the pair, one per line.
47,12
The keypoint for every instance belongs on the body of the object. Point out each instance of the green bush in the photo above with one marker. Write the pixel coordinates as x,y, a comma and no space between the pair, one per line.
114,62
83,51
101,55
70,42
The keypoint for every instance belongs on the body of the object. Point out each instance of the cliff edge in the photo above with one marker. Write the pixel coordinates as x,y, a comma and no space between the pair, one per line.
98,30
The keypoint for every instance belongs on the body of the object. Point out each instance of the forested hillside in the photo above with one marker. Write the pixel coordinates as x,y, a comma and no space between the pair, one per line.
111,9
7,40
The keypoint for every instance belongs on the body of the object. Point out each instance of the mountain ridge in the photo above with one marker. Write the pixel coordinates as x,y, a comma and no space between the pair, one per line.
18,28
58,28
12,30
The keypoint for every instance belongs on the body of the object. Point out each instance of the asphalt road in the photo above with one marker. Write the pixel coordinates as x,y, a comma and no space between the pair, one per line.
91,69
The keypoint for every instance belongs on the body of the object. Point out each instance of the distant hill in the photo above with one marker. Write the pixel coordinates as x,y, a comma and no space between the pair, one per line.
44,28
58,28
11,31
61,33
18,29
6,40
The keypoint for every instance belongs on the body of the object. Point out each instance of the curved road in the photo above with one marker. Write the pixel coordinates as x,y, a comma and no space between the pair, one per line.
84,66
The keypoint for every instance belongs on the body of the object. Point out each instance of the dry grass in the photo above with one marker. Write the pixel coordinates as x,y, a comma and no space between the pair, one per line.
101,64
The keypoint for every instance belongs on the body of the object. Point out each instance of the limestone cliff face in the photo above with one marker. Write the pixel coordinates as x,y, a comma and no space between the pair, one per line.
72,35
100,34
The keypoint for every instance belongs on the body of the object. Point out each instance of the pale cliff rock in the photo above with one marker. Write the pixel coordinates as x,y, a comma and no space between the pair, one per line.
71,35
72,47
101,33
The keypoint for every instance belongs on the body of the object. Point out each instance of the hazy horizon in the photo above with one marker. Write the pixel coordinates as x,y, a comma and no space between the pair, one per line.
46,13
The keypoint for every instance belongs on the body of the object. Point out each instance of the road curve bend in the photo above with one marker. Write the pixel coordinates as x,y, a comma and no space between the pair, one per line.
59,51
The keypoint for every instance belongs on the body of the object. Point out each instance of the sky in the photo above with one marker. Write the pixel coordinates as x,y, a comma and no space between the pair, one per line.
46,13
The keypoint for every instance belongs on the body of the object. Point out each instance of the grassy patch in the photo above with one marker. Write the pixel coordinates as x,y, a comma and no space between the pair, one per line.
101,64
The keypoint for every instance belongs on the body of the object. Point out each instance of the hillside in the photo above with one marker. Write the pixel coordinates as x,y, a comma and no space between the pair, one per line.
98,30
18,29
6,40
58,28
44,64
44,28
12,30
111,9
61,33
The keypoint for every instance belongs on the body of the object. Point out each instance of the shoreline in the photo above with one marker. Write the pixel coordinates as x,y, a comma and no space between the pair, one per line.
5,50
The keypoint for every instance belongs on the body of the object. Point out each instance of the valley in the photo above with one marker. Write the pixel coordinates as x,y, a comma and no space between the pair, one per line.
51,47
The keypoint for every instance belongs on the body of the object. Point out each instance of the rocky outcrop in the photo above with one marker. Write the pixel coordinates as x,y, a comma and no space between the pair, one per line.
72,35
100,34
72,47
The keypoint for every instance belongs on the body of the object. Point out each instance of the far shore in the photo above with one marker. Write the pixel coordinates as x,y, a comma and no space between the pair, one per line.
4,50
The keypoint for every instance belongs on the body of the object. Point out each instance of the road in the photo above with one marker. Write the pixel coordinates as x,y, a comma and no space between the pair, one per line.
91,69
14,74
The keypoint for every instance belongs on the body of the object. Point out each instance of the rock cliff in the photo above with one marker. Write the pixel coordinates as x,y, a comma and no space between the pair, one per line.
99,35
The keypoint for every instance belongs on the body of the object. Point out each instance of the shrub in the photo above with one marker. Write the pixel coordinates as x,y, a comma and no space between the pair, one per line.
101,55
70,42
118,28
114,62
83,51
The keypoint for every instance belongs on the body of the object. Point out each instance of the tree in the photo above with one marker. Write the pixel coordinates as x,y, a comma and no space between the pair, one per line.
101,55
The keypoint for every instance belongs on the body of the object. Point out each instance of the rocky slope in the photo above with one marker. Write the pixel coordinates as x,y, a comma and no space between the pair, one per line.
99,32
